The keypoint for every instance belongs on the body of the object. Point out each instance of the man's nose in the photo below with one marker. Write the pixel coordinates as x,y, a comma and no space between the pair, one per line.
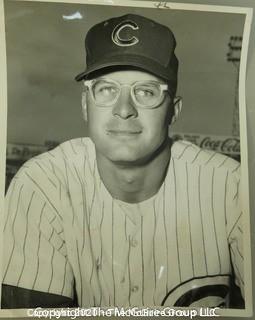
124,107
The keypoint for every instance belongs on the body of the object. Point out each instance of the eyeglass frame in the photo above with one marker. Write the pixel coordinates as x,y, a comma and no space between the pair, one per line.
163,87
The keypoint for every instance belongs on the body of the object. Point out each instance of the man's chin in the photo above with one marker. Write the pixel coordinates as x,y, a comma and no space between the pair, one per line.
123,159
130,159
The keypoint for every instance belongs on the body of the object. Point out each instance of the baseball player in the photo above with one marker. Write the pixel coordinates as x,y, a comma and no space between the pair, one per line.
125,217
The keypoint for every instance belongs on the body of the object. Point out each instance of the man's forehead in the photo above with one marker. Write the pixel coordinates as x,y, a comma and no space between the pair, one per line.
127,75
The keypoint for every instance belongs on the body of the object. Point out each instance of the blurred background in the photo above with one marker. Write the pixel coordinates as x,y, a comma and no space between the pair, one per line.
45,51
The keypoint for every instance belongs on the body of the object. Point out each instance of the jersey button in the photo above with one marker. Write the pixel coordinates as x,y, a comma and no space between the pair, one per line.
134,289
134,242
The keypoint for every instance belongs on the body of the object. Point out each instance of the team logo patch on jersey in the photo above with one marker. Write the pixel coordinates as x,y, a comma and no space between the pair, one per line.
122,34
209,291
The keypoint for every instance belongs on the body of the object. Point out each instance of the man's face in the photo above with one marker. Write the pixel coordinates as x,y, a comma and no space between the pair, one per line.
126,133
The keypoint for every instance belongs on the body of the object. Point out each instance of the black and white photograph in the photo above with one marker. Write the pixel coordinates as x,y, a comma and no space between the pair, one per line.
125,162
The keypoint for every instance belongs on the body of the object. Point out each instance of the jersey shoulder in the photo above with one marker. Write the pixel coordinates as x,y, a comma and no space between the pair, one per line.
54,164
190,153
70,151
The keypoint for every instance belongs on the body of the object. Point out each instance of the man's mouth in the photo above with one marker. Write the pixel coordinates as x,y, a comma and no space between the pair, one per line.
123,132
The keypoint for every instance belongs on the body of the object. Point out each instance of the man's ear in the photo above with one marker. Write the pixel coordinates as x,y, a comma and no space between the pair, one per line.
177,109
84,105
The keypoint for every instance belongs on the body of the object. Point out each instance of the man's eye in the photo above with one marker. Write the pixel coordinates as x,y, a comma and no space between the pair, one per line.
144,93
106,90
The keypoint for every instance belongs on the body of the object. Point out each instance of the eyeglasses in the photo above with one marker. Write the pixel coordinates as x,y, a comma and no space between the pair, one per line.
144,94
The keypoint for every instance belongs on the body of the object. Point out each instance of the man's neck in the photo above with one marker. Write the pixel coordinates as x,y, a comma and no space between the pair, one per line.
134,183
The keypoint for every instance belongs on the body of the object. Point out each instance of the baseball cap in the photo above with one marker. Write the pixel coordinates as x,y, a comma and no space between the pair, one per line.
131,41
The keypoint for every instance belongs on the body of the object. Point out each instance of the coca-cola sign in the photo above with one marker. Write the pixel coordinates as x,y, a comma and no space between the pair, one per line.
225,144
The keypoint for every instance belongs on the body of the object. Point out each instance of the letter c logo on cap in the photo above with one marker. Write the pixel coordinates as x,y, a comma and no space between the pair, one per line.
124,42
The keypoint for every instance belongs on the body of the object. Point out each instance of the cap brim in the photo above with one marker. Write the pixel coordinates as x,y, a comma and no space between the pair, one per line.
139,62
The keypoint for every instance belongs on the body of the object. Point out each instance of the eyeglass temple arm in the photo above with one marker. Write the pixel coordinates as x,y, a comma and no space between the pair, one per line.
87,83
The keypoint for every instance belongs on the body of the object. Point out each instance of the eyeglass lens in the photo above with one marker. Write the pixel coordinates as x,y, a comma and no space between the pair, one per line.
144,93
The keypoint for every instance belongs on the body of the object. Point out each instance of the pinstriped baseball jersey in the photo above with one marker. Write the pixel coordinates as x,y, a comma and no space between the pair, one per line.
180,247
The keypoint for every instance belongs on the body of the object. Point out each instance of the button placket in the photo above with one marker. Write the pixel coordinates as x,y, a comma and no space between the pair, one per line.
131,276
134,288
134,250
133,242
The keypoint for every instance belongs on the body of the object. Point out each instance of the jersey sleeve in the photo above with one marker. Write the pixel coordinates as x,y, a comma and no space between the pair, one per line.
234,226
35,255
